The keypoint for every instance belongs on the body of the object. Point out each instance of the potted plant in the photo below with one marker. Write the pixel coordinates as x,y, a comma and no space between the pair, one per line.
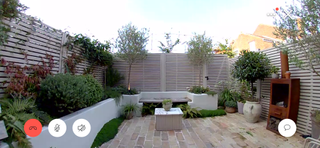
129,110
221,104
257,66
287,74
315,118
167,104
274,70
231,106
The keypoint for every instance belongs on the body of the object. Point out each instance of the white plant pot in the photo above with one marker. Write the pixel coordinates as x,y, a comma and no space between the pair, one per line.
252,111
275,76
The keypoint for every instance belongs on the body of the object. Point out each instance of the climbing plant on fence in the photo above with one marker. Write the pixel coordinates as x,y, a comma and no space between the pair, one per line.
95,52
9,9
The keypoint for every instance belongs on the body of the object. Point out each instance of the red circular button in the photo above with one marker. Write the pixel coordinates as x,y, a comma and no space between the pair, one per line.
32,128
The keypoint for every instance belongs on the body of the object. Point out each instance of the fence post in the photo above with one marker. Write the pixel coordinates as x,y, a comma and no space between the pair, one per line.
163,72
258,95
204,74
63,52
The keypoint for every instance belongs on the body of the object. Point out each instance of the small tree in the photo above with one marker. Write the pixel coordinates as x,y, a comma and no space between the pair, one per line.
131,43
301,29
200,51
225,49
250,67
169,47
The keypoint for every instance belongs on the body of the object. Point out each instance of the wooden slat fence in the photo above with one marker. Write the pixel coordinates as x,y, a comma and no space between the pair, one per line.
309,91
146,75
29,41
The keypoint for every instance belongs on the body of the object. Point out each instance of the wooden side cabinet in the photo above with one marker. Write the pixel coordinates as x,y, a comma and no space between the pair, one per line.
284,102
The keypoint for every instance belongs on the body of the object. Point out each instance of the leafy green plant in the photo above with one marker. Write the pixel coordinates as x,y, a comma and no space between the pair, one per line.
169,47
15,114
198,89
200,52
63,94
315,116
10,9
189,112
211,93
131,43
226,95
221,102
95,52
251,66
225,49
274,69
166,101
212,113
111,93
113,77
232,104
148,108
124,90
129,109
107,132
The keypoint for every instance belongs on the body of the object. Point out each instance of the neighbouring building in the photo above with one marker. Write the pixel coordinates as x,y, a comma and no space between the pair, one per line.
261,39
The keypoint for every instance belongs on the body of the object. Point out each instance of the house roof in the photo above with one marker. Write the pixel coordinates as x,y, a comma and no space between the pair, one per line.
264,30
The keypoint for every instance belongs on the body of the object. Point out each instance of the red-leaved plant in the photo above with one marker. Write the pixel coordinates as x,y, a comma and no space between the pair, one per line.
25,81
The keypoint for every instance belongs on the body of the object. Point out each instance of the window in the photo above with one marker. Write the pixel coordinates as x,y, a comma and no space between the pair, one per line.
252,46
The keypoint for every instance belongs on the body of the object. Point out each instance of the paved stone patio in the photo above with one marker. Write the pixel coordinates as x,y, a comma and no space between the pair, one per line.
230,131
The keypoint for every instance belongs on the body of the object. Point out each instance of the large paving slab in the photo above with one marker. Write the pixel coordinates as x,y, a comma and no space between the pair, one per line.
230,131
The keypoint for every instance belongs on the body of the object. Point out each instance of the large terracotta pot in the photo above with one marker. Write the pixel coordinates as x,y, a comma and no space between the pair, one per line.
252,111
129,116
284,64
315,130
231,109
240,107
167,106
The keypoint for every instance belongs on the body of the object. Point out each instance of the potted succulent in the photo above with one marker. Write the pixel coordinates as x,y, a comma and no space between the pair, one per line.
231,106
257,67
129,110
167,104
315,119
274,71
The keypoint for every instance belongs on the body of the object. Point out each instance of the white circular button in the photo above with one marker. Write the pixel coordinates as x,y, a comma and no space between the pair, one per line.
57,128
81,127
287,128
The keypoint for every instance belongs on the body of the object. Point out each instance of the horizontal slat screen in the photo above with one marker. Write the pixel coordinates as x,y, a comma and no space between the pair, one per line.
309,91
30,41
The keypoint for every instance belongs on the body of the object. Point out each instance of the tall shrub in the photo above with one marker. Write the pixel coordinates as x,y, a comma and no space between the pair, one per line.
131,44
65,93
200,51
250,67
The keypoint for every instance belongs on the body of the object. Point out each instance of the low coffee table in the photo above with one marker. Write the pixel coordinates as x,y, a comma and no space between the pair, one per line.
168,120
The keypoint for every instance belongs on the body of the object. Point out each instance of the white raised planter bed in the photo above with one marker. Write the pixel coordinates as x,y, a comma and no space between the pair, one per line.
97,115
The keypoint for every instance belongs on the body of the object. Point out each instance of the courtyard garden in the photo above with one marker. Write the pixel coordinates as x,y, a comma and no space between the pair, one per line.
216,100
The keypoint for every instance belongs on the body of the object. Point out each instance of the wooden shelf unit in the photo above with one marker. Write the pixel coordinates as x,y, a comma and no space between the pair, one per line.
285,93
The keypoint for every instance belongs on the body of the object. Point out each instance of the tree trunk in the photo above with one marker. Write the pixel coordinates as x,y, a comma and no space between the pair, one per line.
252,91
129,76
200,71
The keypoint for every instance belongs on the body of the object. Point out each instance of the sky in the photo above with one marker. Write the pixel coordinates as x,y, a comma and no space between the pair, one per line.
219,19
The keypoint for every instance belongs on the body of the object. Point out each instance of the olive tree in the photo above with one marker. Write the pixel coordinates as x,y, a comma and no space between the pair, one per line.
131,44
200,51
250,67
300,32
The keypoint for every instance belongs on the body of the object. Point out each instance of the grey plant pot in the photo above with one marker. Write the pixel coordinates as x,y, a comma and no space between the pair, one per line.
315,130
167,106
240,107
275,76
